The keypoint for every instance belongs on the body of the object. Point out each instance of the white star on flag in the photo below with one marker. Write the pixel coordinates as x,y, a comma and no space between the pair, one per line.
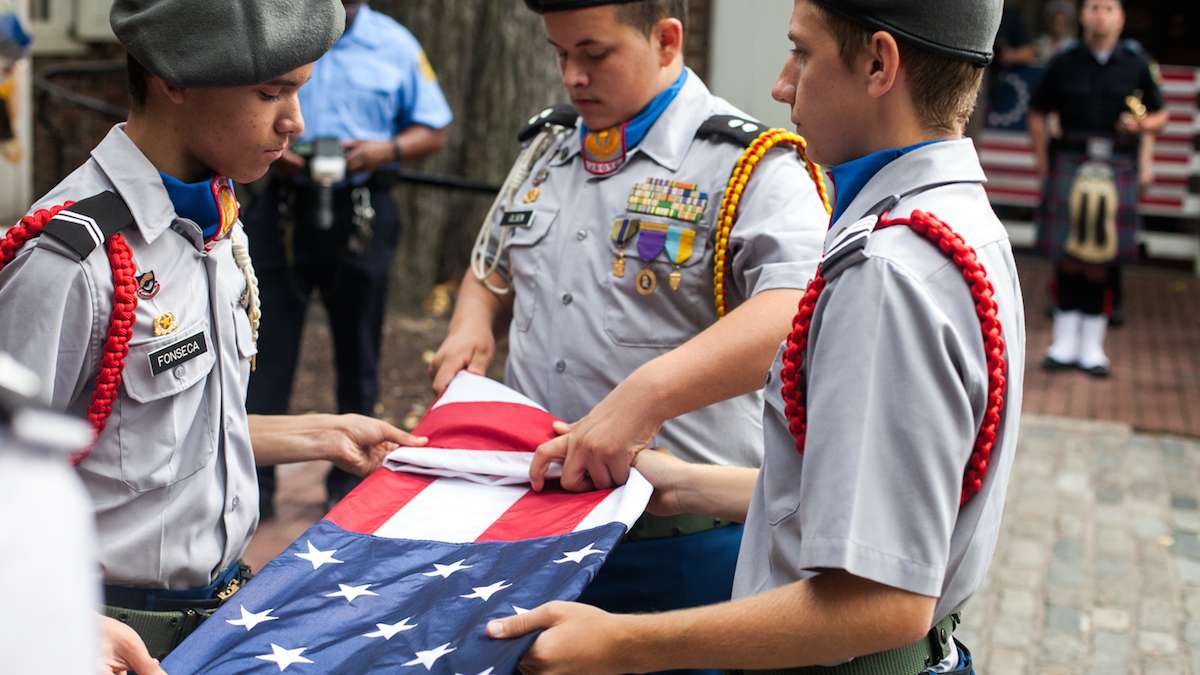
429,657
251,619
318,557
284,657
519,610
387,631
486,592
444,571
486,672
351,592
578,556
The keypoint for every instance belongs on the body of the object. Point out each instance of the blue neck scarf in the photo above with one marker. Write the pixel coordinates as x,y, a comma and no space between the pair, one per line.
850,177
195,202
604,151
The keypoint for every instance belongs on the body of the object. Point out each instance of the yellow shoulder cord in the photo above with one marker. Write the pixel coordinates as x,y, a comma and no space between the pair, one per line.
250,299
733,197
483,264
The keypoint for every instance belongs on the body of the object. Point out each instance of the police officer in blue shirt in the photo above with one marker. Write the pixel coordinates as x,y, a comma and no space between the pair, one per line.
322,225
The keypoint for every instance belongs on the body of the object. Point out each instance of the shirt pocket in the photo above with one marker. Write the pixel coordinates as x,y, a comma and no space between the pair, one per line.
371,97
529,260
666,317
158,412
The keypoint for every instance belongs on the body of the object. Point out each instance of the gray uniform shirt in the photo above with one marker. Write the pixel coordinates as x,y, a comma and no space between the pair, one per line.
897,383
171,479
578,331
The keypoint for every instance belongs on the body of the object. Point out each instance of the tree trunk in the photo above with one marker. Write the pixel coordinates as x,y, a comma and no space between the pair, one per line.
496,70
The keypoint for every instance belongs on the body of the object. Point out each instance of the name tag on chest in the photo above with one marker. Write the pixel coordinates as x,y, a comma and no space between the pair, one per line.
522,219
177,354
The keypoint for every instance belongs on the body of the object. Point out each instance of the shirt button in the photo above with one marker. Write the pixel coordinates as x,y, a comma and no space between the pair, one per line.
560,366
179,372
567,298
768,380
236,501
581,235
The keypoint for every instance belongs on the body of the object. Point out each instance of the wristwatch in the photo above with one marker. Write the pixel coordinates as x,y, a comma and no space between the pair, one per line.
397,151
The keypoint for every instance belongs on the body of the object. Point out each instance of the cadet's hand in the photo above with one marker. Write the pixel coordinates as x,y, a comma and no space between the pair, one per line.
358,444
668,475
122,650
368,155
1128,124
577,639
597,450
466,348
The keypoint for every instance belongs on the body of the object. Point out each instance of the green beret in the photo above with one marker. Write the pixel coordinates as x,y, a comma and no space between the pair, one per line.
543,6
964,30
226,43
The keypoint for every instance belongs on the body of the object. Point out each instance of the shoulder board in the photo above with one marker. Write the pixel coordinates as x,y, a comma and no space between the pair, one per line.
561,115
849,247
89,223
731,129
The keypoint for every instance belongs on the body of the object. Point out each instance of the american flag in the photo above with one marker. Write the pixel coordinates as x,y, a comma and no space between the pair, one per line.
405,572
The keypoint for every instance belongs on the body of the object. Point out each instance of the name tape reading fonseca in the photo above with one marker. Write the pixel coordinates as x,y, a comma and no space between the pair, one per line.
178,354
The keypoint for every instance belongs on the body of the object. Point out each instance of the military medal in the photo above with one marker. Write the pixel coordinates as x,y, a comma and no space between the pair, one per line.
668,199
652,238
147,285
623,230
532,195
165,324
540,177
604,151
679,249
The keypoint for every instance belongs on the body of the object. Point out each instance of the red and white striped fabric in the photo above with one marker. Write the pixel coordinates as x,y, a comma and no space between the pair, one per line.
1007,156
471,483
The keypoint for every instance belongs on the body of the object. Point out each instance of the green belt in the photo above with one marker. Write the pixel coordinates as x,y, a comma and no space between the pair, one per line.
661,527
909,660
161,631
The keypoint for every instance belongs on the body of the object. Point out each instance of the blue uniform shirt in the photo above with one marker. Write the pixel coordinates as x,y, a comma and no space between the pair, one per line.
373,83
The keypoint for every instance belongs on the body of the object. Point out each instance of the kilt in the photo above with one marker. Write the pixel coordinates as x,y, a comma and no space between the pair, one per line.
1054,213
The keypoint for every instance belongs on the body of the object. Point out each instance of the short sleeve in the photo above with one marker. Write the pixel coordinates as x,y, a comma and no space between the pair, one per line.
422,101
780,230
1152,95
52,297
891,427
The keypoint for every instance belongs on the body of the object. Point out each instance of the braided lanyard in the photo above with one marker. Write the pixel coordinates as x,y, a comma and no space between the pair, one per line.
982,292
732,200
120,328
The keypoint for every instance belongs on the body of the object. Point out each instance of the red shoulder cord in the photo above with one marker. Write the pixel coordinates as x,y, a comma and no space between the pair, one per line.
120,328
951,244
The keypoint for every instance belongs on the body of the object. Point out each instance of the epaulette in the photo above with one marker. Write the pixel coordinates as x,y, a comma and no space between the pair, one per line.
731,129
561,115
86,225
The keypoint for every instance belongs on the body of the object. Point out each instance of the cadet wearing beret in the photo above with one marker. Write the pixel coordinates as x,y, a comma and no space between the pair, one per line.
892,410
128,290
608,245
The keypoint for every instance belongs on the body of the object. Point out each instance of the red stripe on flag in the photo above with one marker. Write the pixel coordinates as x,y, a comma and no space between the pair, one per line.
543,514
377,499
486,425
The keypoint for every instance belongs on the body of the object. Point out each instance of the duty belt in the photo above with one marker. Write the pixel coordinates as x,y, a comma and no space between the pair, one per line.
912,659
661,527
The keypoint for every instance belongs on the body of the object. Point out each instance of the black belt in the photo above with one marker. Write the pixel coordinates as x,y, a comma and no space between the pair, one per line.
162,600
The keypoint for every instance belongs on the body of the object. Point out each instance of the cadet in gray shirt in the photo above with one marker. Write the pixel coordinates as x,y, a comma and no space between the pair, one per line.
892,410
129,293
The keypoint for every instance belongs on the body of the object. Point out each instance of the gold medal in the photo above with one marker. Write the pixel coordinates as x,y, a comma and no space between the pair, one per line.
532,195
164,324
675,279
619,265
646,281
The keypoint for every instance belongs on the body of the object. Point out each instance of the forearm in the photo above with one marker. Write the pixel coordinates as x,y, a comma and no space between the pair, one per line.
1037,137
282,439
477,307
824,620
728,359
718,491
1155,121
418,141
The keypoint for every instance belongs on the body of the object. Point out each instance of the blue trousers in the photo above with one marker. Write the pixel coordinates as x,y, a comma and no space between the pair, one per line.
657,575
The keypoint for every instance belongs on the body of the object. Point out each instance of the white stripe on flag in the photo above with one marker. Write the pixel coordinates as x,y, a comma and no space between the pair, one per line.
451,510
471,388
480,466
623,505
